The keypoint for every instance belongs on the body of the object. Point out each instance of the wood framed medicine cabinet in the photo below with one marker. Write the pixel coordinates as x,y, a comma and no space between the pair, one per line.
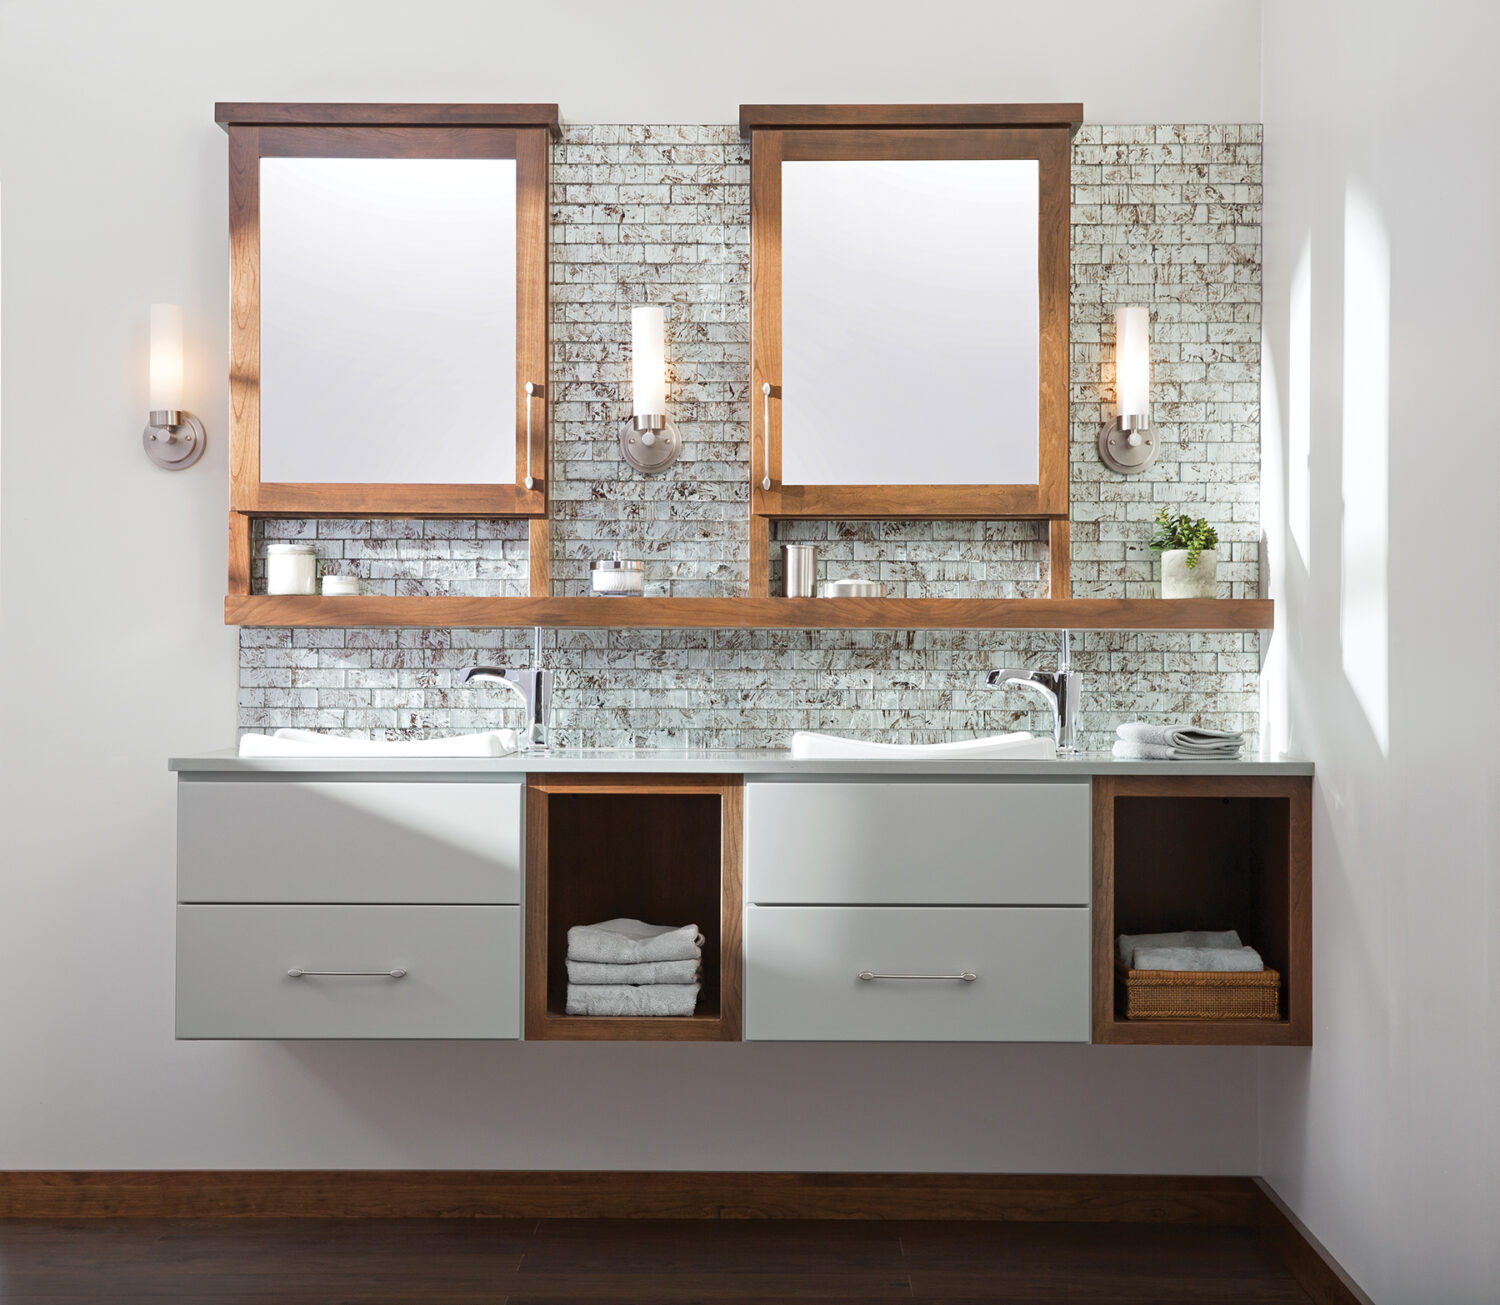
909,310
387,260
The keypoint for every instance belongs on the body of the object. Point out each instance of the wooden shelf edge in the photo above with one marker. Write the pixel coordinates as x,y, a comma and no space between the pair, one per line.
755,613
1202,1033
793,117
350,114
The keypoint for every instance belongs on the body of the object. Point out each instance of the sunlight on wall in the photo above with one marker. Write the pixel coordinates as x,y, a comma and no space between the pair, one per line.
1364,627
1299,406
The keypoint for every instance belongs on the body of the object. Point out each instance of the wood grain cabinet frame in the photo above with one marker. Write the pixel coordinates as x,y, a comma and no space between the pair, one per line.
1206,852
506,131
663,848
784,133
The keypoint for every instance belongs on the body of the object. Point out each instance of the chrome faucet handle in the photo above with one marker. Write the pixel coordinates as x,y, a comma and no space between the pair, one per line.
1010,675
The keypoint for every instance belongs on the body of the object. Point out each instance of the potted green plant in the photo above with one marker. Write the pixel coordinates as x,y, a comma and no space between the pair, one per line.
1189,555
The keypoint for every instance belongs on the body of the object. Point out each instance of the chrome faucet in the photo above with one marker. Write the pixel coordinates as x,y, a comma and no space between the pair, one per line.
1060,688
534,687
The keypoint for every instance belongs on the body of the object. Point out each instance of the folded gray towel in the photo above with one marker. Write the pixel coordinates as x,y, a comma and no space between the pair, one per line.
1239,960
1128,750
1179,735
629,942
645,972
1128,944
627,999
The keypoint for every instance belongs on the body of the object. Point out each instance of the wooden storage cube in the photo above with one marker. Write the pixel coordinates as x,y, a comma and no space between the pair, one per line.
660,848
1205,852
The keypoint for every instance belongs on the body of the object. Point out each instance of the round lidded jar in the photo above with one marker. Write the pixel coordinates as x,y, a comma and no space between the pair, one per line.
342,586
291,569
611,575
852,588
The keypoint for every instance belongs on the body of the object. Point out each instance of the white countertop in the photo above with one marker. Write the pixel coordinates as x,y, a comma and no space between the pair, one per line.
708,761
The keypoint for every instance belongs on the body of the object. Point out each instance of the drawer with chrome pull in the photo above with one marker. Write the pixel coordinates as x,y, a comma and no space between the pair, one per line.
348,971
917,974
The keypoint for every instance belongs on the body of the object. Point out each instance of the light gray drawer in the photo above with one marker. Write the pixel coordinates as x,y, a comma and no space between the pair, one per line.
1031,968
288,841
911,842
462,963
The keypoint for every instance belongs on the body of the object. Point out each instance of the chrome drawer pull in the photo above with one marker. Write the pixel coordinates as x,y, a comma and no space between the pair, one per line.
296,972
968,976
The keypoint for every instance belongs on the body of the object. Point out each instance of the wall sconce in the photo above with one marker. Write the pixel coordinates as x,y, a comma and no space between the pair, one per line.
173,438
648,440
1127,444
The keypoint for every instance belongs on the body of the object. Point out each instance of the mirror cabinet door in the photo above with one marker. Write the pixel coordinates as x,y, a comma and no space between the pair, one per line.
400,311
913,326
387,320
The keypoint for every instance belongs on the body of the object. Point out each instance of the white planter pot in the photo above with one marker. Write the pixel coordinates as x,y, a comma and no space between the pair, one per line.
1177,581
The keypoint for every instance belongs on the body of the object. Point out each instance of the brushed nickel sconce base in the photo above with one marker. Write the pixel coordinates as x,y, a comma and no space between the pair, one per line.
176,442
651,451
1120,455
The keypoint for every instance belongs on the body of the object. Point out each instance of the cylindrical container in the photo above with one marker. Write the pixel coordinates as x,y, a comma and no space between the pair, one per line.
610,575
342,586
1180,581
851,589
801,562
291,569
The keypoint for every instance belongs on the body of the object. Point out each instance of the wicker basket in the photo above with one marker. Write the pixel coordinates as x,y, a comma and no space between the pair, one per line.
1197,994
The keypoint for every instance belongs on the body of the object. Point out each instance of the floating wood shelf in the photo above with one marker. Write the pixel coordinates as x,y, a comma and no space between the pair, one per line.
757,613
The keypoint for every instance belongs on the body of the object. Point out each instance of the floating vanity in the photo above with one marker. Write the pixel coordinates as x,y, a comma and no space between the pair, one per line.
865,900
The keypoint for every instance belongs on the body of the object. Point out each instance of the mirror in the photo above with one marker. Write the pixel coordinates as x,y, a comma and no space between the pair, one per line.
909,321
388,320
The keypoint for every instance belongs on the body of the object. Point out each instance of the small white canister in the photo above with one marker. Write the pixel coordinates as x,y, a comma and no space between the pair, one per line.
291,569
342,586
611,575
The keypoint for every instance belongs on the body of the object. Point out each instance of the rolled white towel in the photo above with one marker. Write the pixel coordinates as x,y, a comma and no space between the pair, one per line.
1128,944
645,972
1236,960
628,999
631,942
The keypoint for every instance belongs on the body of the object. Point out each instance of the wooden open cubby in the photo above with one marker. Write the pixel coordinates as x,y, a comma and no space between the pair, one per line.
661,848
1206,852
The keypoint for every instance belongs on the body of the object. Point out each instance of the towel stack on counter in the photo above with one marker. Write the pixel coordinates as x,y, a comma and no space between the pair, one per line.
1190,950
625,967
1138,741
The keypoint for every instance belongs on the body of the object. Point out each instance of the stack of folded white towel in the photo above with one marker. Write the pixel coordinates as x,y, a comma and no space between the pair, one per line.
1189,950
625,967
1138,741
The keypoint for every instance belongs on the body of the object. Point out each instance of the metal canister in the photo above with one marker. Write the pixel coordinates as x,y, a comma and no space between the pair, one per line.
801,564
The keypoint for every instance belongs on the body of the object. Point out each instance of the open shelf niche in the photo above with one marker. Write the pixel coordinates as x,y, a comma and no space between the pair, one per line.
659,848
1205,852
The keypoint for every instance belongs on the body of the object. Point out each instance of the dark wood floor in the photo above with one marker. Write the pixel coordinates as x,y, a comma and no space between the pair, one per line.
444,1262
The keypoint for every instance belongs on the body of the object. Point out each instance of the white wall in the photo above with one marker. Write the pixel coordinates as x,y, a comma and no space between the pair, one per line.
1382,474
113,655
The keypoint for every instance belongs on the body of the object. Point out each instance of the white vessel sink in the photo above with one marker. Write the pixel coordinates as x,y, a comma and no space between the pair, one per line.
829,747
313,743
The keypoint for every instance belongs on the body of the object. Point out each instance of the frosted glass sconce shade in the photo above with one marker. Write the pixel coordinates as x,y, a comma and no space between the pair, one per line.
1133,366
648,441
1127,444
648,361
173,439
165,392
